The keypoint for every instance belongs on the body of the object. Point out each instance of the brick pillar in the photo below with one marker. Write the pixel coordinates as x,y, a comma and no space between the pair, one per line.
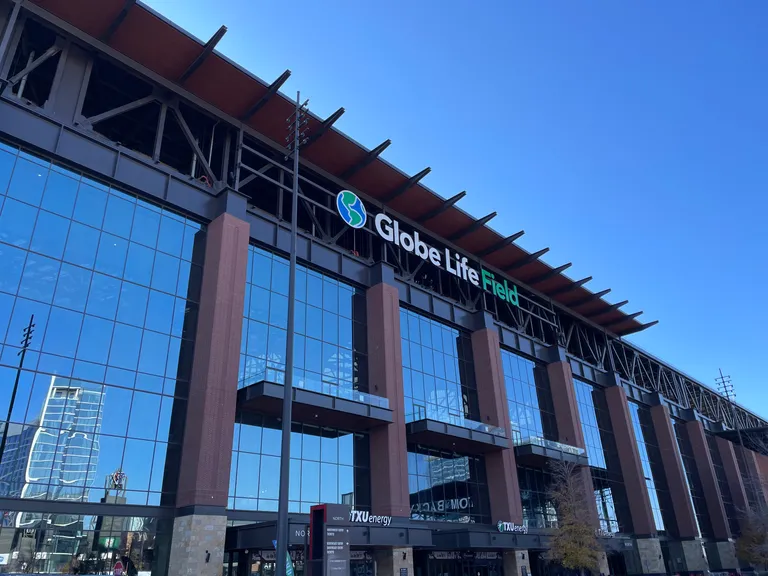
568,422
708,479
762,468
733,476
207,447
389,466
629,461
753,460
685,516
501,468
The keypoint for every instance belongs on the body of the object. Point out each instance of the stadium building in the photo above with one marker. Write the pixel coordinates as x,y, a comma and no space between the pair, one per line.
145,203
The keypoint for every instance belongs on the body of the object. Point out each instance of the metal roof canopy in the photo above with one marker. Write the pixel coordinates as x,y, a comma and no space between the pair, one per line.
143,35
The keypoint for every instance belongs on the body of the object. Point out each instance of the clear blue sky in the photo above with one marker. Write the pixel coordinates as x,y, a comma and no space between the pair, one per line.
630,137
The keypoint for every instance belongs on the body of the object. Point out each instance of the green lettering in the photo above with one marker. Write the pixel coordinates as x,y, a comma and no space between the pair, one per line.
487,279
500,291
512,296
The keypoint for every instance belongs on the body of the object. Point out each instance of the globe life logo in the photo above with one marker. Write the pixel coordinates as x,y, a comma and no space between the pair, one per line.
352,211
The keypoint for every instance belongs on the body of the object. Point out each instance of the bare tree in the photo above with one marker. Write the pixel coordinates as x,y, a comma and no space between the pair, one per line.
752,544
574,544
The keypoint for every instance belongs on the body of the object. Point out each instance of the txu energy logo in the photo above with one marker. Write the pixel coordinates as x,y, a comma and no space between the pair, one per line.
351,209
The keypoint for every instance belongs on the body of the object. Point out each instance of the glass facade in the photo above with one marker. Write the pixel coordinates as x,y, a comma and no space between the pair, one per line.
330,342
97,542
725,490
438,372
538,508
529,399
113,284
692,480
600,446
447,487
649,458
328,466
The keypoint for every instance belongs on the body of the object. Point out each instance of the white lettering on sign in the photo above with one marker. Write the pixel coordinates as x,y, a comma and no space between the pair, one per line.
511,527
442,505
365,517
600,533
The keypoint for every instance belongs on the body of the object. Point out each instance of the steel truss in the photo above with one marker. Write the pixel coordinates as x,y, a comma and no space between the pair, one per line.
258,169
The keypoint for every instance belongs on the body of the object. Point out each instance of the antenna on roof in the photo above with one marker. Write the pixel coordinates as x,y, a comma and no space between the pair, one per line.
725,387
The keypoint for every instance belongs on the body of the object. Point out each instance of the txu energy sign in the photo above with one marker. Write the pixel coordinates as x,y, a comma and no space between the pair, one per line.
352,211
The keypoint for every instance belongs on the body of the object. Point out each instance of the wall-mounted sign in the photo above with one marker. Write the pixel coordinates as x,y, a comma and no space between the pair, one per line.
442,505
600,533
352,211
365,517
511,527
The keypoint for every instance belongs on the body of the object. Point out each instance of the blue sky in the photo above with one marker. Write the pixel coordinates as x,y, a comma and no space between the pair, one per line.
630,137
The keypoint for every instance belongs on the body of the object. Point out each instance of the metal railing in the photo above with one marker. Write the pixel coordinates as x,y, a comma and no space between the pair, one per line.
519,440
441,415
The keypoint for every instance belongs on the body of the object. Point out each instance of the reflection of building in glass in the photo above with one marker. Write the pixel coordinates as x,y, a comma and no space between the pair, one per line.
61,460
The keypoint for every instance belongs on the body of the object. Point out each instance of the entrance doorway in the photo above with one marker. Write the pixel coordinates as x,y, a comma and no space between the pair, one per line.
463,564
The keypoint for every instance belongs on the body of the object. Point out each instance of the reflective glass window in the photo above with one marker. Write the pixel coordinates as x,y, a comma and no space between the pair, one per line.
330,345
650,460
438,371
327,466
529,399
102,389
447,487
535,493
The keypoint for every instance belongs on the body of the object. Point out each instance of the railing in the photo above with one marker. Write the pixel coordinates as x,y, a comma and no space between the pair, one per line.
519,440
441,415
318,386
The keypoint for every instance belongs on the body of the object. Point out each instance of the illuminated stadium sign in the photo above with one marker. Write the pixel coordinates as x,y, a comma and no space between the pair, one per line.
352,211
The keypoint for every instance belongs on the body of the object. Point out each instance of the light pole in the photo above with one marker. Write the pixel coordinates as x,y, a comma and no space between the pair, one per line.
25,342
295,138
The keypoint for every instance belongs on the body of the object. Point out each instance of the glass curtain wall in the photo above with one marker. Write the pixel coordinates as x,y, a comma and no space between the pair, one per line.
722,482
692,479
330,344
538,508
327,466
447,487
650,460
529,398
601,451
113,283
438,372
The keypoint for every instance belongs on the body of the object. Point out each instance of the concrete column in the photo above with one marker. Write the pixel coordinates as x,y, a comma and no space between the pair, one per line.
390,561
389,467
515,561
501,468
706,471
685,516
687,556
721,556
602,563
732,475
568,420
629,461
645,557
201,497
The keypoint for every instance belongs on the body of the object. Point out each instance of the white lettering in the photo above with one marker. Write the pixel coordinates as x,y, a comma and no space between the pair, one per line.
406,241
363,516
434,256
384,226
474,277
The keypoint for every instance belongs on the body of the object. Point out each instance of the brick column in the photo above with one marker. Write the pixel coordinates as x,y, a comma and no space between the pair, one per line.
733,475
389,464
501,468
685,516
207,447
629,461
568,422
708,479
753,460
762,468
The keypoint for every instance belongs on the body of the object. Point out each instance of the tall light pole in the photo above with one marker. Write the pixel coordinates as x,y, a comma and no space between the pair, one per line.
295,138
26,340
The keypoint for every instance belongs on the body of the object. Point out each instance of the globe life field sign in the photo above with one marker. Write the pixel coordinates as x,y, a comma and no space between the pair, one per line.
352,211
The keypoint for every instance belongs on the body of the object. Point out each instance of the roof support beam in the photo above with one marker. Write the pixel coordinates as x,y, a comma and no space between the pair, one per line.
476,225
569,287
501,244
403,188
588,299
120,110
640,328
271,91
548,275
442,208
52,51
527,260
207,50
193,143
115,24
626,318
607,309
324,127
369,158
